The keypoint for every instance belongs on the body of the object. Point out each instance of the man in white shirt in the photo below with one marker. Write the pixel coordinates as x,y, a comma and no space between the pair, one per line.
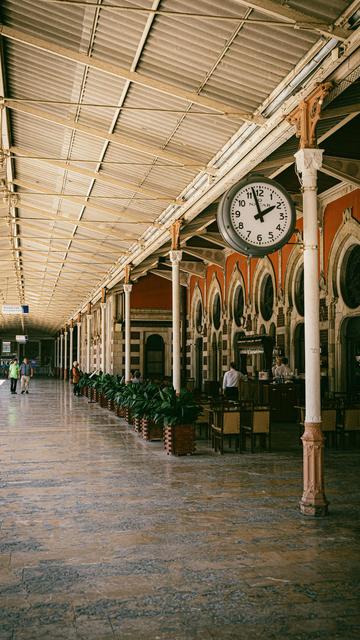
282,369
231,382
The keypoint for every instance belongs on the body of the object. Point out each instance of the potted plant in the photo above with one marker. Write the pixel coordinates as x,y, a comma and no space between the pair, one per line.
145,408
178,414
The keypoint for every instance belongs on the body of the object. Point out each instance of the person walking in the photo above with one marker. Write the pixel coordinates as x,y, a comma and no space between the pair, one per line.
75,376
26,373
14,374
231,382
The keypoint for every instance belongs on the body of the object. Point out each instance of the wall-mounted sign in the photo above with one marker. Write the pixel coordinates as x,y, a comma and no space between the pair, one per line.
15,309
256,216
21,339
6,347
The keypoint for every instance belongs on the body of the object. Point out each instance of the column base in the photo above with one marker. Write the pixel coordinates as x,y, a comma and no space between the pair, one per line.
313,501
316,510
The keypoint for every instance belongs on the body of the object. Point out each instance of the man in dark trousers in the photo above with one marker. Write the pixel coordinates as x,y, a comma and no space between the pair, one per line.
26,373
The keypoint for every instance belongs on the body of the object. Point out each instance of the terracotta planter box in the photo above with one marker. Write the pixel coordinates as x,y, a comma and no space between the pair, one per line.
110,405
151,431
137,424
84,391
94,395
179,440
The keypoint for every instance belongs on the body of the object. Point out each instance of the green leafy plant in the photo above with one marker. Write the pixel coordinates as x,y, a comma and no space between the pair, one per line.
176,409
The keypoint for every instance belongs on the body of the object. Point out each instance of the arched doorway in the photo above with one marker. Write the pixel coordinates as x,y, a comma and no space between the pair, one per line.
351,355
154,357
299,343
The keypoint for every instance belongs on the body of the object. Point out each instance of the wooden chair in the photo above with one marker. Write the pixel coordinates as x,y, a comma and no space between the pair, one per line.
350,426
255,424
202,423
226,425
328,425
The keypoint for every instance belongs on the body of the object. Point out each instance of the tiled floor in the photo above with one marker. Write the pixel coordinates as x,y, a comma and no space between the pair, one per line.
103,536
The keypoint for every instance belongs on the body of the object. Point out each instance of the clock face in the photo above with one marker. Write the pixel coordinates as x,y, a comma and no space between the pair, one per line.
256,216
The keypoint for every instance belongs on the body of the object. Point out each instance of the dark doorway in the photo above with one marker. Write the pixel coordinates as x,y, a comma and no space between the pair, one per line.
299,341
351,355
199,363
155,357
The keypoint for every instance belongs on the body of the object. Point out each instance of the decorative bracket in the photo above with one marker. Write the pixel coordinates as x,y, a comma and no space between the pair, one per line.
306,116
127,273
175,235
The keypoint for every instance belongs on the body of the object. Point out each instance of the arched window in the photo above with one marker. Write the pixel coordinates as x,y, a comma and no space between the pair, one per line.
154,357
216,313
239,305
272,331
267,297
199,346
299,291
350,277
299,342
199,317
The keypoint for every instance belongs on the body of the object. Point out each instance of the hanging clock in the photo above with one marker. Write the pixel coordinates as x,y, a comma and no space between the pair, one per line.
256,216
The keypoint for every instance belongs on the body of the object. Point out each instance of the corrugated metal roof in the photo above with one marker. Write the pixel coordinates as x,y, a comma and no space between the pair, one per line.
78,187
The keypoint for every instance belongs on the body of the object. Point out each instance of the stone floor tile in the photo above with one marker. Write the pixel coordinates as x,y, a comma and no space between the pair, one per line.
103,536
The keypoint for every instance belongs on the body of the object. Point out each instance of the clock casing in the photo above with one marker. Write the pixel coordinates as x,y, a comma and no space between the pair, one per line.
256,216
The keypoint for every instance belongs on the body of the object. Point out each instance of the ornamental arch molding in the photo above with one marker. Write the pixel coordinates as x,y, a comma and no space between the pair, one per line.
264,268
237,281
340,313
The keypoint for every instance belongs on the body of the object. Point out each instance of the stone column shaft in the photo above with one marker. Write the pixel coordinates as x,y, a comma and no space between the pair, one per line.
66,362
127,291
175,257
78,344
313,501
61,354
103,337
71,348
88,343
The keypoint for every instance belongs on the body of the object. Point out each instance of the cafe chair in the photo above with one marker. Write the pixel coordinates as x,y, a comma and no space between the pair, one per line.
255,424
226,426
328,425
202,422
349,426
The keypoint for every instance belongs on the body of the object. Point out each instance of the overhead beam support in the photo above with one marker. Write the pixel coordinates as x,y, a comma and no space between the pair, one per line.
103,134
93,175
294,17
168,276
120,72
85,202
210,256
342,168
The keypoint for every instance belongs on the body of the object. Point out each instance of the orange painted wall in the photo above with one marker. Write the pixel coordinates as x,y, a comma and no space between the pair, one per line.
333,219
220,276
240,261
151,292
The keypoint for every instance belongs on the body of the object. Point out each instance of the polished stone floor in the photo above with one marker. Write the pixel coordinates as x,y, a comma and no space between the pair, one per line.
103,536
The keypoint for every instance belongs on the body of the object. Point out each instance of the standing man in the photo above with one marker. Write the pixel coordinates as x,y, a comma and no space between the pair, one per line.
26,373
14,374
231,382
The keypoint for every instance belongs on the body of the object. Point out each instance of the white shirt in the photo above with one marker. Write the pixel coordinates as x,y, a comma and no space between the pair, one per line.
282,371
231,378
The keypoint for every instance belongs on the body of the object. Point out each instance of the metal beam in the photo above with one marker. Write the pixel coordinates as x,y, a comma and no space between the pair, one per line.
98,228
168,276
210,256
99,176
295,17
120,72
194,268
335,112
216,238
116,138
84,202
342,168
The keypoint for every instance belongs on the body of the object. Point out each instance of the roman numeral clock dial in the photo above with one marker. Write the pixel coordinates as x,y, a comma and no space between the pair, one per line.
256,216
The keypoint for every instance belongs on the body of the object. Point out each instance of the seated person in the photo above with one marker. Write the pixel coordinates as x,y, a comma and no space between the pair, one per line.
282,369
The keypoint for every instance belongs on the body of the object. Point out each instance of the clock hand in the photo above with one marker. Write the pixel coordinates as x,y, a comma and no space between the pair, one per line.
263,213
256,202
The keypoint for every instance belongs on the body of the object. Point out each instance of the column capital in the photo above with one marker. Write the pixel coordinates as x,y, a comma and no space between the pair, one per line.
175,256
71,328
308,163
78,324
103,305
61,336
127,288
